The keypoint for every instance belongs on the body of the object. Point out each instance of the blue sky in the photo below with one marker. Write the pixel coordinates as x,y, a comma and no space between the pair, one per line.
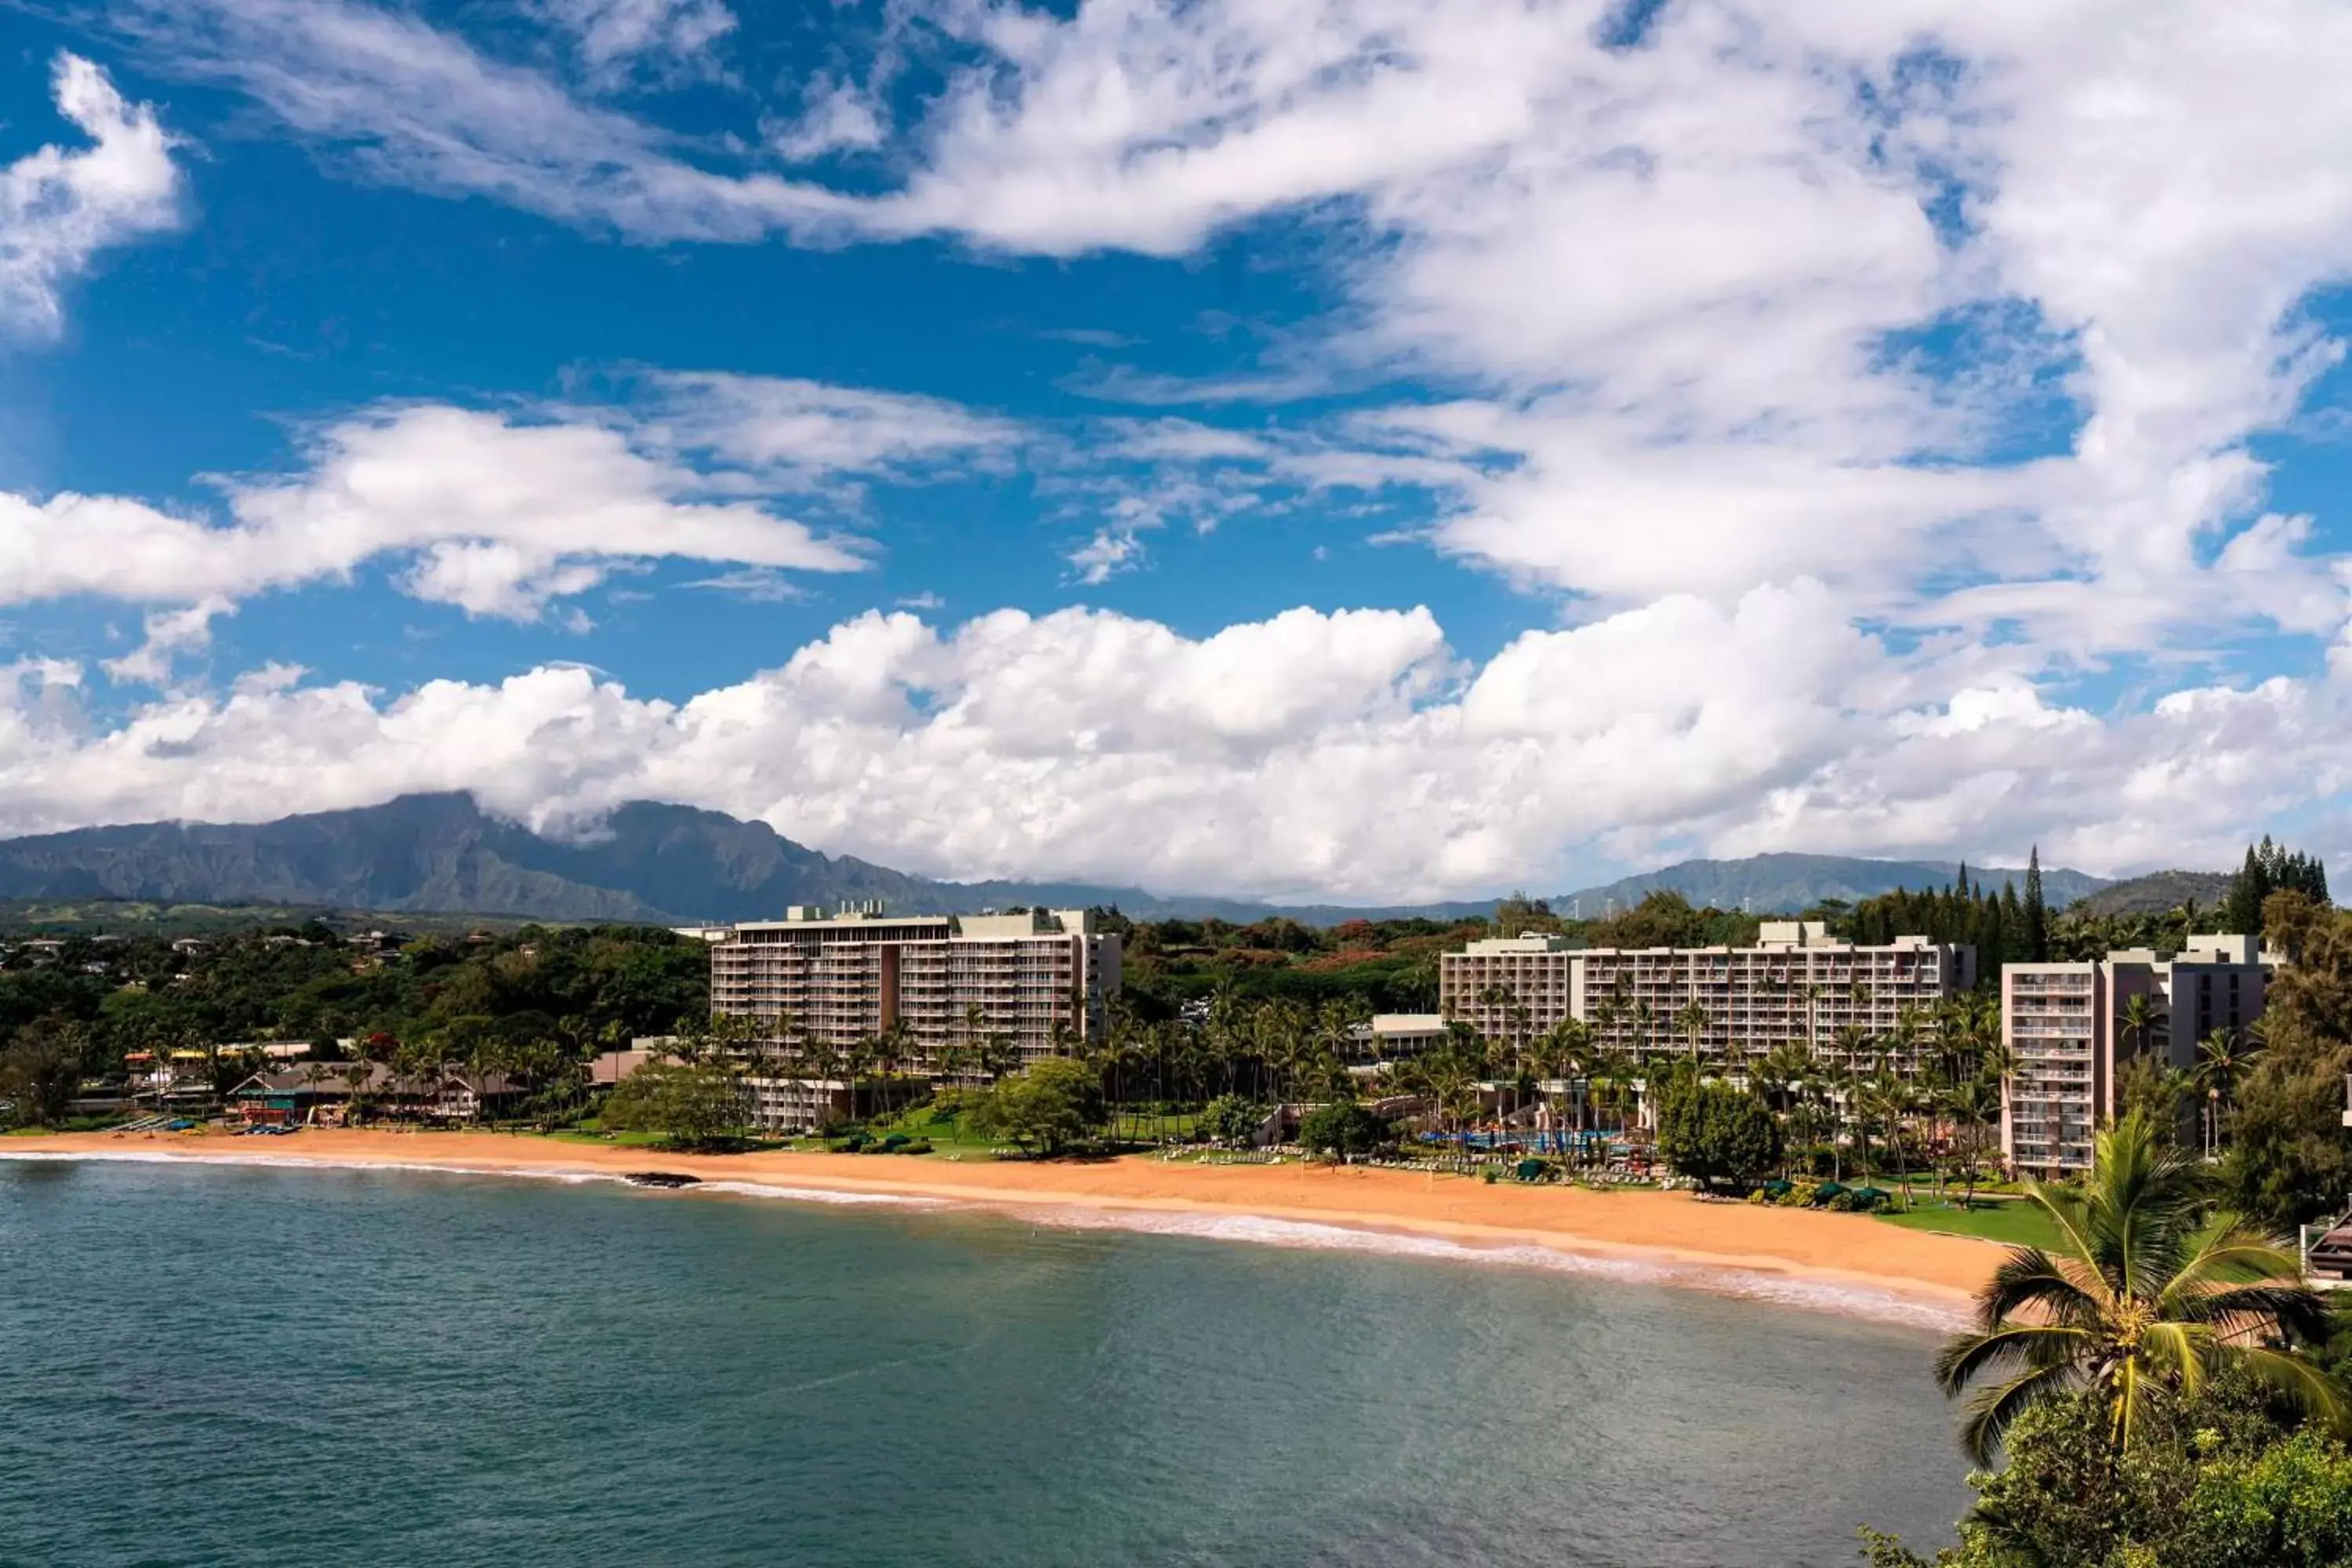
1411,451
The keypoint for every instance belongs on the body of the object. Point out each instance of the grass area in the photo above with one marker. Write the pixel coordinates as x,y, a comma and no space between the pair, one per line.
2015,1224
610,1139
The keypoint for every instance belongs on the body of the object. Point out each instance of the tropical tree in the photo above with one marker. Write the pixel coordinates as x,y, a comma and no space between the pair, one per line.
1974,1105
1715,1133
2223,1060
693,1104
1048,1107
39,1072
1343,1129
2142,1297
1692,1019
2141,1020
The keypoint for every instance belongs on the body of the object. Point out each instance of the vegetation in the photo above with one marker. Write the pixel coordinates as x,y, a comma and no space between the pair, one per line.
2271,868
535,1001
1343,1129
1230,1118
692,1104
2219,1478
2281,1108
1046,1109
2135,1303
1717,1134
2013,1221
38,1073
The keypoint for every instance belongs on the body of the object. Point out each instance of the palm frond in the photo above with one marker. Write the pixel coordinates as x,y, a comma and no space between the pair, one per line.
2042,1345
2029,1276
2067,1210
2301,1383
2295,1312
1991,1412
2179,1351
2238,1252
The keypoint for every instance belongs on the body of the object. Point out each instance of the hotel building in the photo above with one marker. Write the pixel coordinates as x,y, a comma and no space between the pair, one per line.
1040,980
2067,1030
1797,984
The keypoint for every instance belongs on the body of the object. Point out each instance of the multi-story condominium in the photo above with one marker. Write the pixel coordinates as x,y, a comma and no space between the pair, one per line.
2071,1029
1039,980
1797,984
1509,985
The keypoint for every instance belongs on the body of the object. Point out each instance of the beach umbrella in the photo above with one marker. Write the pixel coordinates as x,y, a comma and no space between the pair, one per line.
1826,1191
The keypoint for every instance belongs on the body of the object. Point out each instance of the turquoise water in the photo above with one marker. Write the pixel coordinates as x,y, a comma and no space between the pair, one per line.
225,1365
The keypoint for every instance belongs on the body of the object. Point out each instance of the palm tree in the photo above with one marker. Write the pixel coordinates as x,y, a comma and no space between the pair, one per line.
314,1073
2141,1020
1973,1104
2136,1302
2223,1059
1692,1019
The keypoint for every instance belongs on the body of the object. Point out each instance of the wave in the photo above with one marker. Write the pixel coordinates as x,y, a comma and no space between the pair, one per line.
1747,1284
524,1173
1256,1230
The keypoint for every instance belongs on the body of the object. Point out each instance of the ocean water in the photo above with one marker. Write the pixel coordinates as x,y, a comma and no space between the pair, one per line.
240,1365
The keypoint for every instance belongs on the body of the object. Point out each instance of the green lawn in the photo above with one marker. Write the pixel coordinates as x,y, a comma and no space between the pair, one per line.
2017,1223
621,1140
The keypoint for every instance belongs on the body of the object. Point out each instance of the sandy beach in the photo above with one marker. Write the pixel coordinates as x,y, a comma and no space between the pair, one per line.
1682,1239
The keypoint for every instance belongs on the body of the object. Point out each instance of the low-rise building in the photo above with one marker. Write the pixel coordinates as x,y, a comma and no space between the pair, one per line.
776,1106
2072,1028
1396,1037
324,1093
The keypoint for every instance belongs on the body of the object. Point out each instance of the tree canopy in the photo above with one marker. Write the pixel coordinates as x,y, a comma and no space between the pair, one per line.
1047,1108
1716,1133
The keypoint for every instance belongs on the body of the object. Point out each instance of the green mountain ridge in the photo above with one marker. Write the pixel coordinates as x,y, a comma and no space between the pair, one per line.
2159,892
1789,883
673,865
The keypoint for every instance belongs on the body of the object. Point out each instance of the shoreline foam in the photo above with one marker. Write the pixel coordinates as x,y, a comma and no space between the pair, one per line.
1846,1264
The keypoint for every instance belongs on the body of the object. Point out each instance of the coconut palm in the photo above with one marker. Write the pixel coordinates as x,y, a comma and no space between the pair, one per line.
2223,1059
1692,1019
2141,1019
2141,1299
1973,1104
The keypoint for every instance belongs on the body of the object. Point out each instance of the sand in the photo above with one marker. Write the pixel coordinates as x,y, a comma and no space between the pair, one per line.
1849,1258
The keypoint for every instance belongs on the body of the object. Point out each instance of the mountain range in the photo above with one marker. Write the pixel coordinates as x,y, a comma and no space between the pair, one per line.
649,862
1784,884
678,865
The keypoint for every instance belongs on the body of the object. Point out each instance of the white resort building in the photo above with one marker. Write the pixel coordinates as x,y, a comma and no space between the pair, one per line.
1797,984
1039,980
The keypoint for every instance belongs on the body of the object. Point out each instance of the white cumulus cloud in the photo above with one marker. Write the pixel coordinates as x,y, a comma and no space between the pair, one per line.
1347,756
59,206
